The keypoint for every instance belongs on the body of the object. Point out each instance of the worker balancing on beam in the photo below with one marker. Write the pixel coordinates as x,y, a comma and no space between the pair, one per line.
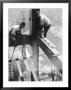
45,24
16,37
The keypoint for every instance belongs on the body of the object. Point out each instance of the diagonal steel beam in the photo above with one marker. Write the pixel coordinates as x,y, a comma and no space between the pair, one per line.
51,53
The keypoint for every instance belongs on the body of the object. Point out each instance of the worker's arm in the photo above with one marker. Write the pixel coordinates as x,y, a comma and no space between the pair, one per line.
46,28
12,35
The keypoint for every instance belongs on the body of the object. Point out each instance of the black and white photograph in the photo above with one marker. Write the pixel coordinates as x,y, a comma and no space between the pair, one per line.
35,44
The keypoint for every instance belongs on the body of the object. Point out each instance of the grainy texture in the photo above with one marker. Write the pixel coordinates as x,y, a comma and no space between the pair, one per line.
46,67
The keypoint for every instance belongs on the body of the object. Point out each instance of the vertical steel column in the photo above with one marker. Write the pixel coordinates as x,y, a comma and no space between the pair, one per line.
35,47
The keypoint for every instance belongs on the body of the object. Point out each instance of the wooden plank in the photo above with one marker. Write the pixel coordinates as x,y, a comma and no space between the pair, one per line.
51,53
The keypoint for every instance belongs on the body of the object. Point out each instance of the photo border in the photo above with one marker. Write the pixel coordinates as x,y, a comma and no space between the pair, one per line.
1,26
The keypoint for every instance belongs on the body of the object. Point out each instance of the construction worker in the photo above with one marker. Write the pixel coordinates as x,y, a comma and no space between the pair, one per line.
17,38
44,23
15,34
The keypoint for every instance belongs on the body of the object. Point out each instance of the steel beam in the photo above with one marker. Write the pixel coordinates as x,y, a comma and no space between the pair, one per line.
51,53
